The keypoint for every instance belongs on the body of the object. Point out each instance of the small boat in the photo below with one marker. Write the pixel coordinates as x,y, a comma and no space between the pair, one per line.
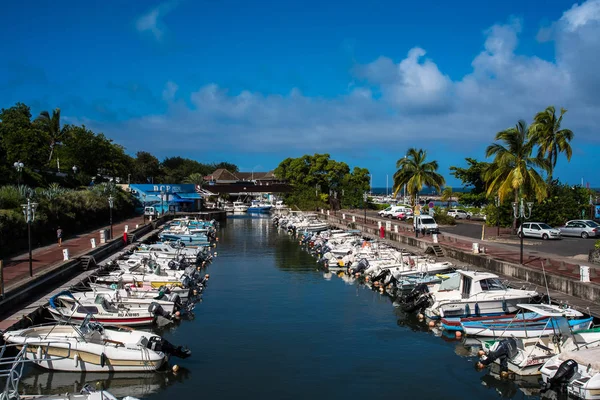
108,308
578,371
523,328
239,207
259,207
91,347
11,371
525,356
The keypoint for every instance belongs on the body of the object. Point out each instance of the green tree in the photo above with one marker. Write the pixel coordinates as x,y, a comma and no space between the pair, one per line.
145,166
472,177
225,165
51,125
447,195
546,132
415,172
513,170
195,178
20,139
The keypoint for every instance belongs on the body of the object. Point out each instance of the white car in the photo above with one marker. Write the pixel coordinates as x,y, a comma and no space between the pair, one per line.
459,214
538,230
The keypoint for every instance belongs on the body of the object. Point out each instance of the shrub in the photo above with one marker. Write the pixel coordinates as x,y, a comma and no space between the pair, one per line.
444,219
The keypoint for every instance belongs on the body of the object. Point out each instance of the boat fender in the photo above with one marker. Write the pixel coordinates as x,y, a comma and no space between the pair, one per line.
76,359
563,374
102,360
477,310
504,306
467,310
38,353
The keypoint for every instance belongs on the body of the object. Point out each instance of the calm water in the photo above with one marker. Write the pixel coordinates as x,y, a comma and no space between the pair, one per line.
272,326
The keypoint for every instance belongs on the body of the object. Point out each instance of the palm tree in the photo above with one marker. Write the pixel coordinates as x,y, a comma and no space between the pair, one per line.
414,172
546,133
195,178
513,170
52,127
447,194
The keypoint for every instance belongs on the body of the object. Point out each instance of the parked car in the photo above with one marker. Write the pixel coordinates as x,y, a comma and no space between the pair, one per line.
389,212
425,223
538,230
403,214
583,228
459,214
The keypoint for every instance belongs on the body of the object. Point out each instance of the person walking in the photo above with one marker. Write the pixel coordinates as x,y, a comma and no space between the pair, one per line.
59,236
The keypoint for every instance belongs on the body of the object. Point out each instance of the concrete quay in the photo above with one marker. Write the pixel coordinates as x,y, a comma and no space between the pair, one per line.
559,274
24,295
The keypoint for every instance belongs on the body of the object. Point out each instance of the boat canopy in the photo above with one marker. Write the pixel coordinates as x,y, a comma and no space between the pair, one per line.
53,298
549,310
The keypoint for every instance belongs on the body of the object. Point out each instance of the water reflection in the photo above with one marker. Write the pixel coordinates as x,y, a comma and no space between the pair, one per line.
40,381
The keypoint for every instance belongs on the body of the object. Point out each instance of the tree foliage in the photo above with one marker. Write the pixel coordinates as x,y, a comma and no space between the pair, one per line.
472,177
319,182
415,172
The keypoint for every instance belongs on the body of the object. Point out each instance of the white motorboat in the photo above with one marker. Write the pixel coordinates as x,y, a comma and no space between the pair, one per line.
11,371
478,294
578,370
239,207
526,356
91,347
114,308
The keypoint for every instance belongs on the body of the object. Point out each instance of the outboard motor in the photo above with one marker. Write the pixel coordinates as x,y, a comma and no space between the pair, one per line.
361,266
156,309
174,297
159,344
507,348
382,274
563,375
418,299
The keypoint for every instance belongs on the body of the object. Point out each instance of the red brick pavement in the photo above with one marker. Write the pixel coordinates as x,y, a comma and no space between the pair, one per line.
16,270
552,263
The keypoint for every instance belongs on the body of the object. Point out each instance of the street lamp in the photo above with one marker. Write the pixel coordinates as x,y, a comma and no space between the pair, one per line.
497,202
75,169
519,212
19,167
365,196
110,205
162,198
144,197
29,213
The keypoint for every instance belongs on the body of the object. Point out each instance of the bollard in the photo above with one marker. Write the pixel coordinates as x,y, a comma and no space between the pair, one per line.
475,248
103,236
353,218
328,213
584,273
126,228
343,216
65,254
378,224
396,228
388,226
434,237
322,211
93,242
136,226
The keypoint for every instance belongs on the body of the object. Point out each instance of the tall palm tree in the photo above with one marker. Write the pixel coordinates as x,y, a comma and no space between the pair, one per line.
52,127
447,195
513,170
415,172
546,133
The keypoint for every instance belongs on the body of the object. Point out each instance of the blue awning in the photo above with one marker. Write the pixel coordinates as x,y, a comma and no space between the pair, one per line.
189,195
181,201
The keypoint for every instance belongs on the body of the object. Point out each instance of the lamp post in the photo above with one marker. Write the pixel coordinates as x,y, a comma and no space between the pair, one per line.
19,167
317,189
29,213
497,202
519,212
144,197
110,205
334,201
365,197
162,198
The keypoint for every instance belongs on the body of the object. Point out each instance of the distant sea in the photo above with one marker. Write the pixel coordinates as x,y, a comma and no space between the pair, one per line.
424,192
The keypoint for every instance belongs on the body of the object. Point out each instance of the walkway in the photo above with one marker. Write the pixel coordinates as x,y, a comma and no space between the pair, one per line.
552,263
16,270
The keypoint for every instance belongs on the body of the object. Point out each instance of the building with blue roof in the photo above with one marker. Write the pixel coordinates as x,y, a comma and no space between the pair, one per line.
168,197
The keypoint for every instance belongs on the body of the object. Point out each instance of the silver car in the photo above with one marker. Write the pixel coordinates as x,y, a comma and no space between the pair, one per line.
583,228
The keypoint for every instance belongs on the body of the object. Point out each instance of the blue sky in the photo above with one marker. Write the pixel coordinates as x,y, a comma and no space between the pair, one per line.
255,82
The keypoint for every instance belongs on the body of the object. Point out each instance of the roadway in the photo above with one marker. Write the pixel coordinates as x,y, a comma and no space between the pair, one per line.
565,247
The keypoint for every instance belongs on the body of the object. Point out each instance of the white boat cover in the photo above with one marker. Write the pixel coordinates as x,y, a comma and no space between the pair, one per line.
583,357
549,310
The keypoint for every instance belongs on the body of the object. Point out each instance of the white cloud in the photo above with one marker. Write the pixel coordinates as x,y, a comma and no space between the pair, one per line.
152,21
418,102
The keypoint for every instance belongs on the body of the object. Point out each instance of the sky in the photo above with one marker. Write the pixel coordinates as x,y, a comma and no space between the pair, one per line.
256,82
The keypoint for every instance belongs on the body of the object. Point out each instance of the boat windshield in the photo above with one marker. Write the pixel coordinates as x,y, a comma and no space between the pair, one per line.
492,284
103,300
